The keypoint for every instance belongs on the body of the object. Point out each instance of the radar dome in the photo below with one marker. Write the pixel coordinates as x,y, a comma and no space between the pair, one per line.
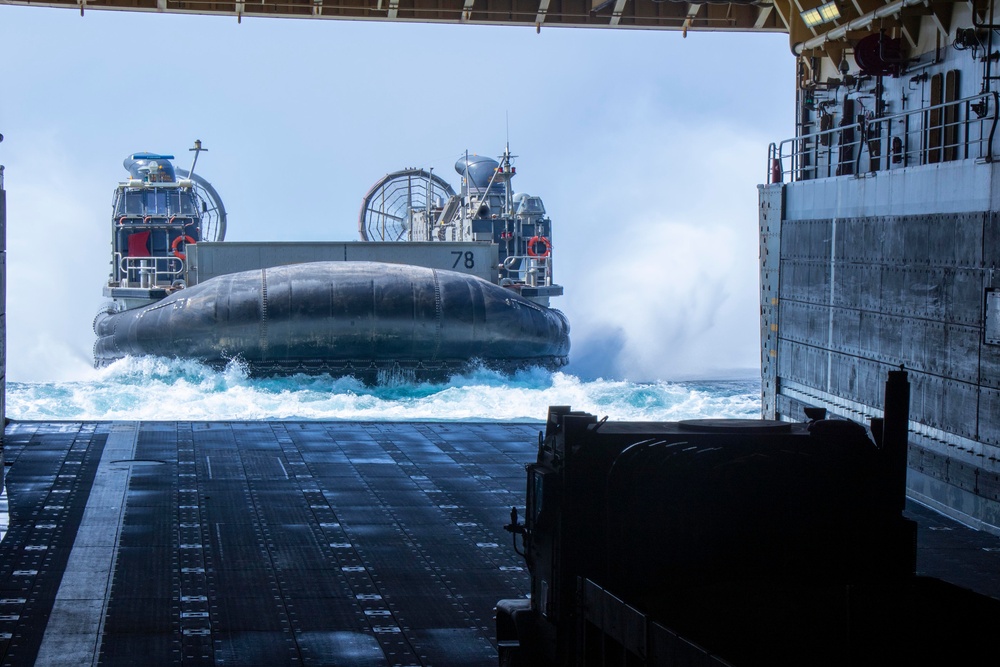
479,169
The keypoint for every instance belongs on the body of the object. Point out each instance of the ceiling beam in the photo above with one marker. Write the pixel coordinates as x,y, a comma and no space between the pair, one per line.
737,16
910,24
762,14
543,9
941,12
616,13
863,7
692,11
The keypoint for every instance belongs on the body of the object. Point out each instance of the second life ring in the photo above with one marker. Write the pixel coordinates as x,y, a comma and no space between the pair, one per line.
177,241
546,247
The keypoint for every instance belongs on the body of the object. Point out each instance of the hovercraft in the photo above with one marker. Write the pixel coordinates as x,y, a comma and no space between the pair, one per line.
441,281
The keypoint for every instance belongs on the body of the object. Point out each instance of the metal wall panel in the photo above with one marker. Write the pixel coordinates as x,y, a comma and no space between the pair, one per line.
208,260
845,330
991,242
948,188
992,333
944,294
769,216
990,352
805,280
804,364
898,267
857,285
989,415
791,408
989,369
944,404
859,380
858,240
965,235
804,322
806,239
952,239
926,346
965,297
861,296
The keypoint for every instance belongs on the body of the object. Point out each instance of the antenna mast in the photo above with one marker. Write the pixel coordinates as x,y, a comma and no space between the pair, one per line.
197,149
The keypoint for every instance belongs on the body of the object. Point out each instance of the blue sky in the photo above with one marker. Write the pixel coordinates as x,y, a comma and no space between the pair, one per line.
646,148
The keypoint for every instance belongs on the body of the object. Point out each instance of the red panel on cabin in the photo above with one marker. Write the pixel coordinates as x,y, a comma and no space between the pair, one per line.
138,244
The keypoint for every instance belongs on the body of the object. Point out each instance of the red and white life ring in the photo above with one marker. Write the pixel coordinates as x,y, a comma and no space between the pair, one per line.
177,241
546,247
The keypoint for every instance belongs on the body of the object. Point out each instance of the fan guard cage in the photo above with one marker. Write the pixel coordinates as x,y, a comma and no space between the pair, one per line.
389,208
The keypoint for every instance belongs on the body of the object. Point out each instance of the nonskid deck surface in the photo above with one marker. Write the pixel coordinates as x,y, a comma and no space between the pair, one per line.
270,543
260,543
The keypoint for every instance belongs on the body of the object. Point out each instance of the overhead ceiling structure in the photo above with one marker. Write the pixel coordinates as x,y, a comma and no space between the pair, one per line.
650,14
816,28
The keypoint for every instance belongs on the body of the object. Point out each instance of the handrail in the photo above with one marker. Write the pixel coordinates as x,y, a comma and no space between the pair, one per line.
531,271
148,269
900,139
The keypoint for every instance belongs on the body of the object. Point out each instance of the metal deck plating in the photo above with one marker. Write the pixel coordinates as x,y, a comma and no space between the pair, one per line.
271,543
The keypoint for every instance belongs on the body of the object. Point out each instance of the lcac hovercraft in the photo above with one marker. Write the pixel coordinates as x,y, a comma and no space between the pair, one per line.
441,282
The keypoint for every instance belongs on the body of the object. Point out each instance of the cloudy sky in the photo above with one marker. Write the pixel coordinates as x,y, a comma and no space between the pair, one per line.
645,147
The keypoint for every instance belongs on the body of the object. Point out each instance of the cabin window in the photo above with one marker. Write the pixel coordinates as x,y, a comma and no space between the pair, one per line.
188,205
531,206
129,204
156,202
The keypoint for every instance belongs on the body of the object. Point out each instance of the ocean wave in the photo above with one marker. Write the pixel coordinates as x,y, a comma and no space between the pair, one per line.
152,388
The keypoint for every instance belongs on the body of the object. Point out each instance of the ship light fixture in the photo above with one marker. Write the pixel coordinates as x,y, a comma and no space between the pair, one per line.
823,14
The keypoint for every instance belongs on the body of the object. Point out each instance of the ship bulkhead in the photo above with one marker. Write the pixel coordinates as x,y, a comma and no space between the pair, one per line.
879,244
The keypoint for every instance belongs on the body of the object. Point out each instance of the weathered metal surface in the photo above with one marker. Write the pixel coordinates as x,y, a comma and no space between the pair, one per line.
992,334
989,421
770,257
897,281
257,543
862,295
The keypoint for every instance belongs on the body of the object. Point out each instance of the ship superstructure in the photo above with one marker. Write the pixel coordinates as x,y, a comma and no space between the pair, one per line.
156,213
880,239
417,205
435,295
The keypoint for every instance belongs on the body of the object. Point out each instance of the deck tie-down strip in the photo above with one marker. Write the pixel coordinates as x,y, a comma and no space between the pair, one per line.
72,635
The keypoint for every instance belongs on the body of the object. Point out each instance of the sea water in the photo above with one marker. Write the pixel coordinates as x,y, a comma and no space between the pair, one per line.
150,388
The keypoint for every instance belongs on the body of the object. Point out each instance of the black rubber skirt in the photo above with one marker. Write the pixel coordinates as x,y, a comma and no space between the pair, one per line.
342,317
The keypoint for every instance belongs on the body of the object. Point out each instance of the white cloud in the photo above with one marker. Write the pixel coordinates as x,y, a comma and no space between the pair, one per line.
58,248
665,271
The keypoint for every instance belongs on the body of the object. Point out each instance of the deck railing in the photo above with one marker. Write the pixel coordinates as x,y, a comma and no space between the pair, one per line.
147,272
957,130
530,270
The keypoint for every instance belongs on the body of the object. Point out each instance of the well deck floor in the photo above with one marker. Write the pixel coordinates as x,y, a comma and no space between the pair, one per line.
286,543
